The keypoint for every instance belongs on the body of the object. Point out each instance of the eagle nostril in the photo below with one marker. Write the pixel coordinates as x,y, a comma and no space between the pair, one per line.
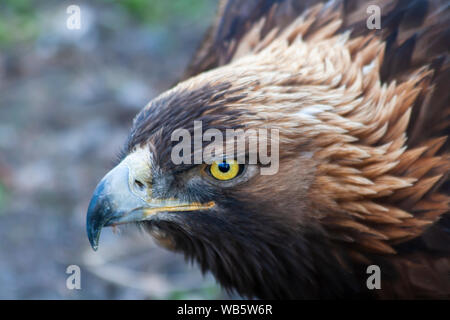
139,184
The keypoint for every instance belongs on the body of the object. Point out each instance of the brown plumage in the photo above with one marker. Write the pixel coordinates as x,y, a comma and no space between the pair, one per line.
363,117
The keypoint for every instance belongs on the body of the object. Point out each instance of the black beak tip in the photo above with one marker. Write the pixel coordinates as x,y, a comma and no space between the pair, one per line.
93,240
95,220
93,233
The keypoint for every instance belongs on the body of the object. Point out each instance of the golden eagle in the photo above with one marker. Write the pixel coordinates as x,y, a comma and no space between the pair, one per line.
363,118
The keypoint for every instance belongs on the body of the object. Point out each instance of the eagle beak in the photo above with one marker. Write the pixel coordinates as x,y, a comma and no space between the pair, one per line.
118,199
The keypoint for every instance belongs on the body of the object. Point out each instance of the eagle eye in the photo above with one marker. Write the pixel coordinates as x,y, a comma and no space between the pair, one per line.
225,170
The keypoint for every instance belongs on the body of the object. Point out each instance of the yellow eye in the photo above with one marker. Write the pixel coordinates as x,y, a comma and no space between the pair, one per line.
224,170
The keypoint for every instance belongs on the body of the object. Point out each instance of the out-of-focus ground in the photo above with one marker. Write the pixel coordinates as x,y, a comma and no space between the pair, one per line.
67,99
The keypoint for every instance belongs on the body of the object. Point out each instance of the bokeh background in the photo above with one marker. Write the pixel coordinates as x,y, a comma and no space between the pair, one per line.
67,99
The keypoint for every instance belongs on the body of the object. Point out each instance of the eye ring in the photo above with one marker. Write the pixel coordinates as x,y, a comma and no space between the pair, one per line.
225,170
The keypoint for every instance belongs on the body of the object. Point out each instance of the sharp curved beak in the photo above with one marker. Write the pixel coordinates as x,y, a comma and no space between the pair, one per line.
112,203
117,198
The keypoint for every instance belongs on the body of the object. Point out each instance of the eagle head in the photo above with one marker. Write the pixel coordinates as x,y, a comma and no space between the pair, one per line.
343,183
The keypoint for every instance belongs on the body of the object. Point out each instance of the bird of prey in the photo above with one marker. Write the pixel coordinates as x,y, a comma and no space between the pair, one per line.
363,116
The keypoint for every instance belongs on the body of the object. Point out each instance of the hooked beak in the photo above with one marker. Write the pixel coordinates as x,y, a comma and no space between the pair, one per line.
123,196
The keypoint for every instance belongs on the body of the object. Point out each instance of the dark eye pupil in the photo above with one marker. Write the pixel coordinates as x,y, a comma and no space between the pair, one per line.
224,167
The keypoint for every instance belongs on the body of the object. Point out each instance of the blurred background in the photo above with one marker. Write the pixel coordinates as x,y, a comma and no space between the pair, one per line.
67,99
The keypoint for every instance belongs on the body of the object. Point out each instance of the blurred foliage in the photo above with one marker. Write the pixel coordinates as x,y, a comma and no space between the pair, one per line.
18,21
160,11
209,292
17,6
